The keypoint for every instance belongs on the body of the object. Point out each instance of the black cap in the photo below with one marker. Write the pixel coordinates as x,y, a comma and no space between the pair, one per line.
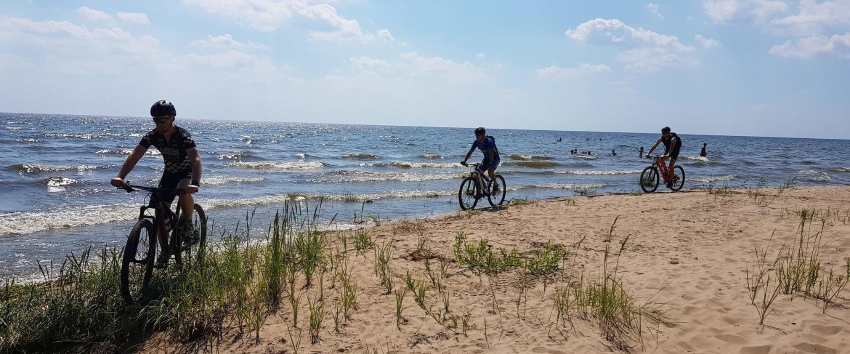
163,108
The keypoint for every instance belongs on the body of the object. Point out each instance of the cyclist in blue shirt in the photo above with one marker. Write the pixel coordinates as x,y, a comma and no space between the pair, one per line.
487,145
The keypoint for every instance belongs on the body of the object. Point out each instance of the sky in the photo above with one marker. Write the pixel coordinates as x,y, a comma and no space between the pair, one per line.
733,67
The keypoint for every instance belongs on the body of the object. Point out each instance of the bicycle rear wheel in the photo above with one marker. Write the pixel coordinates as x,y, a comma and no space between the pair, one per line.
649,179
192,246
137,261
678,178
497,191
468,194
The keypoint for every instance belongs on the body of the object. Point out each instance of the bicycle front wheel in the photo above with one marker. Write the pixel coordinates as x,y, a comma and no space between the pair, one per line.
498,189
468,194
649,179
678,178
137,261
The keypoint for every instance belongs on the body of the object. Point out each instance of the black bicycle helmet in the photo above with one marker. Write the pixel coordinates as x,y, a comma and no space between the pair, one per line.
479,131
163,108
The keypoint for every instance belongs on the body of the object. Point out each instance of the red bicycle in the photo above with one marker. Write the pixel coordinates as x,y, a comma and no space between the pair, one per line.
649,178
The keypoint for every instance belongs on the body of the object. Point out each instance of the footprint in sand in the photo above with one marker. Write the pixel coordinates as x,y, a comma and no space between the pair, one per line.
815,348
731,338
758,349
826,330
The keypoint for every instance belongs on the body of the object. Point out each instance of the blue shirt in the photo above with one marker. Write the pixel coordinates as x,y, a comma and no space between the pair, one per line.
487,147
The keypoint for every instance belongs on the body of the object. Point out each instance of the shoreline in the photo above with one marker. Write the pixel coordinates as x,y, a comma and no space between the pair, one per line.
682,259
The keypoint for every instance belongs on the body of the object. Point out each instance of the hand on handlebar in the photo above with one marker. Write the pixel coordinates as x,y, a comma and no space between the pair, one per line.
121,184
464,163
191,189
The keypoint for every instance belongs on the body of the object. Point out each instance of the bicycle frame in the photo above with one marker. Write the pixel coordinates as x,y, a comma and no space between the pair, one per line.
662,167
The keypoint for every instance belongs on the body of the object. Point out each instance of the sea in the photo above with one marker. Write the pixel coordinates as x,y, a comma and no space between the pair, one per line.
55,196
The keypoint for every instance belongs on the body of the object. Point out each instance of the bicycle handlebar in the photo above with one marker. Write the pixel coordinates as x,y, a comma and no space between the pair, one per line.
132,187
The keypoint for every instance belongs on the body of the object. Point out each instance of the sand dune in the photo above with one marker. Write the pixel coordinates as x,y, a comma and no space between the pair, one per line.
687,255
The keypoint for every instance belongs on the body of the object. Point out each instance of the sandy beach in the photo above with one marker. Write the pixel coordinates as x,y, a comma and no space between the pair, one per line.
687,256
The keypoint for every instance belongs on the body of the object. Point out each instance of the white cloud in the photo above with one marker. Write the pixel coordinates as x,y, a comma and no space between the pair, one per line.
225,42
385,35
815,18
269,15
93,15
705,42
809,47
263,15
556,72
654,9
727,10
133,17
645,50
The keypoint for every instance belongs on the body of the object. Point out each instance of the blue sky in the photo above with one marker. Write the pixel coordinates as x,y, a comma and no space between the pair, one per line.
742,67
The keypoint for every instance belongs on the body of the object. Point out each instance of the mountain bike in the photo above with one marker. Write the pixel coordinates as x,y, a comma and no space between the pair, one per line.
139,255
477,185
649,178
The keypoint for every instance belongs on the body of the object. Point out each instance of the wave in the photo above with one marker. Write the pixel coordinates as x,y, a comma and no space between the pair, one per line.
31,222
599,172
568,186
363,156
221,180
518,157
152,152
59,181
25,168
365,176
431,156
814,176
697,158
234,156
712,179
841,170
409,165
279,165
532,164
585,157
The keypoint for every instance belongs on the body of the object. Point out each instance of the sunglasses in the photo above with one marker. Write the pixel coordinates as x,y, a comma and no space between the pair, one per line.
160,119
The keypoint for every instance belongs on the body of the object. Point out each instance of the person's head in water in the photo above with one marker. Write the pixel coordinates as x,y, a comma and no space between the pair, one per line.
163,113
480,134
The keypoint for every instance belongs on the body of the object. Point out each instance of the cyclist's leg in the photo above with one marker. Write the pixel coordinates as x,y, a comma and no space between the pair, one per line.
491,171
186,204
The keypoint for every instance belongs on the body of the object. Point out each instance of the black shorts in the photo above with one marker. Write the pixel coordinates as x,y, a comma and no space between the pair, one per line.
168,184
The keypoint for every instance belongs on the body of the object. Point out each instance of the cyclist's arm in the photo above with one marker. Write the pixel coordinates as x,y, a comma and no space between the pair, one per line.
132,160
195,158
469,153
653,147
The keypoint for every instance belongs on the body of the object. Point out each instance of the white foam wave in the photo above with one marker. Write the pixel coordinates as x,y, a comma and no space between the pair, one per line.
814,176
697,158
599,173
37,168
585,157
279,165
221,180
365,176
841,169
712,179
432,156
31,222
409,165
152,152
568,186
60,181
